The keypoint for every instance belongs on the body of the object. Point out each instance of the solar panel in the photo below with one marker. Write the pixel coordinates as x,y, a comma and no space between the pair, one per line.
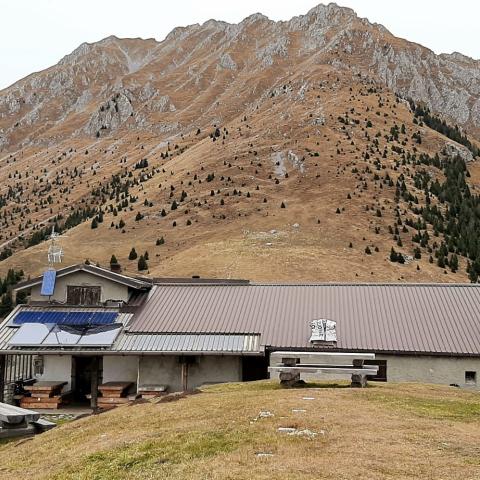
104,336
48,283
65,317
60,336
49,335
103,318
30,334
77,318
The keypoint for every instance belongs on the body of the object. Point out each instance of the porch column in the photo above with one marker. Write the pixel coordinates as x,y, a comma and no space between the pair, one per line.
3,362
94,383
184,375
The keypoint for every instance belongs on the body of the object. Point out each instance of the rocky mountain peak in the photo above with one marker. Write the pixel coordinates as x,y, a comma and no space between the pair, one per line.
218,59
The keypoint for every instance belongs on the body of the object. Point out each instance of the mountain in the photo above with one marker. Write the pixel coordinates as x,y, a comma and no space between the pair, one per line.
303,150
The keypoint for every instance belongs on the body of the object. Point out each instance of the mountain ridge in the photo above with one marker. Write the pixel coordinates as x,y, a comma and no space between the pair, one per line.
223,133
328,31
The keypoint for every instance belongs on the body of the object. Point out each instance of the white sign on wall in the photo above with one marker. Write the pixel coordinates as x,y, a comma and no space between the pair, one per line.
323,330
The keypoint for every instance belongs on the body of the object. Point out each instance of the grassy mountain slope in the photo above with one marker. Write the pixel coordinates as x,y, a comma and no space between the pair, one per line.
387,431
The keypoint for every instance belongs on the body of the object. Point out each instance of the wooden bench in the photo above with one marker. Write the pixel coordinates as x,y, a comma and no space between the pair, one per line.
290,365
152,391
44,395
113,394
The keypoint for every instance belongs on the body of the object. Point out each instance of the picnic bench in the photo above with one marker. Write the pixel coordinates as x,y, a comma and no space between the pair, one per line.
290,365
152,391
20,422
47,394
113,394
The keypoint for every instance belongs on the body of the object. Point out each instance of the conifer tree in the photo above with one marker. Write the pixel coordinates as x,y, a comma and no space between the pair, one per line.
142,263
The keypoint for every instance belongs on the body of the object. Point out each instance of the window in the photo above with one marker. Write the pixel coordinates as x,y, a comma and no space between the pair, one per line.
381,375
470,377
79,295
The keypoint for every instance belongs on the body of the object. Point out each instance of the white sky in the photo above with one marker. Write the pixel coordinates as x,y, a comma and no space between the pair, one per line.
35,34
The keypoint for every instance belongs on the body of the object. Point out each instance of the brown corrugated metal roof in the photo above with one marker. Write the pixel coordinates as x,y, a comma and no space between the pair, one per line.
421,318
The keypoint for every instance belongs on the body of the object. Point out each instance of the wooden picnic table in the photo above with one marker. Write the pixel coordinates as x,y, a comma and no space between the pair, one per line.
47,394
113,393
114,389
46,387
117,386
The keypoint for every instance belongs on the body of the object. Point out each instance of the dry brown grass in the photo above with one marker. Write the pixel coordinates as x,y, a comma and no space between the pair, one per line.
388,431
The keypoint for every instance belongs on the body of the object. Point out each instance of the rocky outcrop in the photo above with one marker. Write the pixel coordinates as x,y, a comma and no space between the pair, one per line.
226,61
111,114
452,149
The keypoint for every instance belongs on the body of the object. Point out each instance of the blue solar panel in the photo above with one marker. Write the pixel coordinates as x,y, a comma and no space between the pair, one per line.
65,318
103,318
48,283
78,318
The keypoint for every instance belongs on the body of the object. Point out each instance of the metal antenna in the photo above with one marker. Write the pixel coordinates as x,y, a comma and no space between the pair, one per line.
55,251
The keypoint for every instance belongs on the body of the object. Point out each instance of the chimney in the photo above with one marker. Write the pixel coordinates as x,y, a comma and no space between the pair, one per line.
115,267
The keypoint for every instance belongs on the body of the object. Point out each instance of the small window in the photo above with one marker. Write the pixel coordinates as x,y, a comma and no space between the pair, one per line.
381,375
80,295
470,377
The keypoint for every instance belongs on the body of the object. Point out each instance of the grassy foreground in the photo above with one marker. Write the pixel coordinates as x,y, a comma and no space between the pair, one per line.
387,431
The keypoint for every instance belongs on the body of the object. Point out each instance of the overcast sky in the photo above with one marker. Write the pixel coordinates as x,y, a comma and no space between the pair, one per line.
36,34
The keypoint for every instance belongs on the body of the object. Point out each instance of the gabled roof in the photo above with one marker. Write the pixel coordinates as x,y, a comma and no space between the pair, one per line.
398,318
94,270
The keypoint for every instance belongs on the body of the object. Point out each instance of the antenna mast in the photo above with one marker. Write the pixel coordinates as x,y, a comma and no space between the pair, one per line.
55,251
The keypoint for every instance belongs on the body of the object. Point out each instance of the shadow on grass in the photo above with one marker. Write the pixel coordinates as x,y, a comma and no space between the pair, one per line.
266,385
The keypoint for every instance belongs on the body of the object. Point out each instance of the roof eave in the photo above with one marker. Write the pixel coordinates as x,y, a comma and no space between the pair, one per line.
100,272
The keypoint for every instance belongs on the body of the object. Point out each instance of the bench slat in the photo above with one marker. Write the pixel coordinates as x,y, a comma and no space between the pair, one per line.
335,356
371,370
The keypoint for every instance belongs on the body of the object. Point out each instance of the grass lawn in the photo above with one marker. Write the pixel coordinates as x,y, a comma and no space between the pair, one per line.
387,431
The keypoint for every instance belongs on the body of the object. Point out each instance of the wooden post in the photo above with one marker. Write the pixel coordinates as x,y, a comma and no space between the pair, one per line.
3,362
94,383
184,375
